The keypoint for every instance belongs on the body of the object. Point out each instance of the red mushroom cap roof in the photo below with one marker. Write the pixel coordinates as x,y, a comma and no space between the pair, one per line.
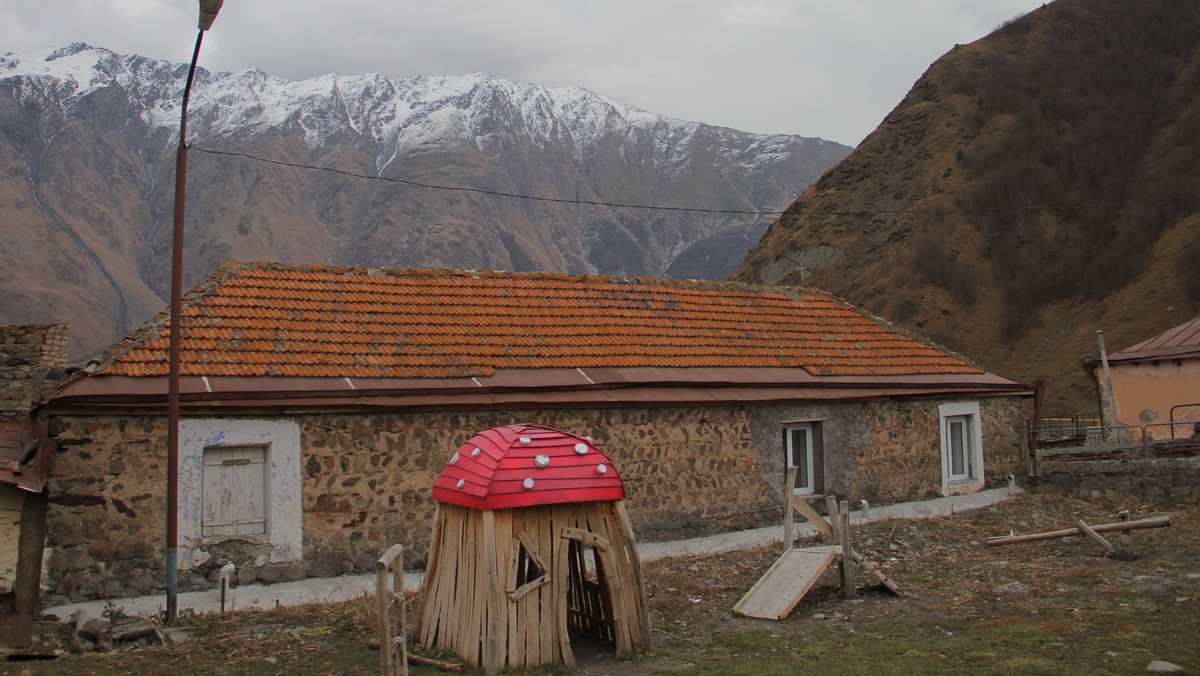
524,465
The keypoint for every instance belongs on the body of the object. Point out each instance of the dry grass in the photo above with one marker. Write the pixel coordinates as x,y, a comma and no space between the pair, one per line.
1052,606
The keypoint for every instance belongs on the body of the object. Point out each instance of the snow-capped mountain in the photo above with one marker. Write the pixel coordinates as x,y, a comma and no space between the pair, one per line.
87,149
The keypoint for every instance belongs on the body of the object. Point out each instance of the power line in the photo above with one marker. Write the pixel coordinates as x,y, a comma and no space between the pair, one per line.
740,212
481,191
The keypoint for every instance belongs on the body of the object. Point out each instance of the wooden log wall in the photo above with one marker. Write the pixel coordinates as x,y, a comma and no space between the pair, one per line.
477,555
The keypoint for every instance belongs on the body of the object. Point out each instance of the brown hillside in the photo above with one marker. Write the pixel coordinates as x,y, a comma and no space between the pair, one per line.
1063,146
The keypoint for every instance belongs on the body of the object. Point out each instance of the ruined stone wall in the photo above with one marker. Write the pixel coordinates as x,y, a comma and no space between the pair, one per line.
1154,480
106,521
366,480
33,361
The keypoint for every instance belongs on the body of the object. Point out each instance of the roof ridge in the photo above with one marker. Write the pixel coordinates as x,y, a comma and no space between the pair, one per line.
535,275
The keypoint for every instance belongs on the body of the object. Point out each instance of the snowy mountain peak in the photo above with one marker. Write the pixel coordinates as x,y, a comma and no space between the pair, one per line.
463,171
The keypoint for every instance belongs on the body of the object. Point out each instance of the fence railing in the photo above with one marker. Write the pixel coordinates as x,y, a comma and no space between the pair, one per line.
1100,442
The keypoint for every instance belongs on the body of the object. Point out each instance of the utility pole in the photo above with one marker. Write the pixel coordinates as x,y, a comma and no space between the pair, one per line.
208,13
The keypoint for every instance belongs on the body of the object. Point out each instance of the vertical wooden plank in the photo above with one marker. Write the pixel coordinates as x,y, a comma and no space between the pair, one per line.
385,636
533,601
476,590
250,516
642,636
491,593
546,602
847,551
433,557
516,628
560,581
789,516
616,608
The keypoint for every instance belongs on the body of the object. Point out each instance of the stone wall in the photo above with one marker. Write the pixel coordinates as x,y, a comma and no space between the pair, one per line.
33,361
1154,480
366,480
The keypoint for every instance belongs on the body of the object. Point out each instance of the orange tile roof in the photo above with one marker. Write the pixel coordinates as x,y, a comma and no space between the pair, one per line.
270,319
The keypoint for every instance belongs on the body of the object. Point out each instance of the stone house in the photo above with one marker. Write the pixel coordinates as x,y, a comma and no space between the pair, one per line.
1156,382
33,361
319,404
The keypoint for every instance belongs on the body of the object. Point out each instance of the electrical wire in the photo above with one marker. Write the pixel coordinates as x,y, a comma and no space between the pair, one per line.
738,212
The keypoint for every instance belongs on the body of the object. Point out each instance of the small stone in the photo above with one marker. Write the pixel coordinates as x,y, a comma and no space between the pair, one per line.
818,616
1163,667
94,628
271,660
131,631
176,635
1012,589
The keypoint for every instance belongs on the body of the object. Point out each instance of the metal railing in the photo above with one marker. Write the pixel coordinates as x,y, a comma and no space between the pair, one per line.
1098,442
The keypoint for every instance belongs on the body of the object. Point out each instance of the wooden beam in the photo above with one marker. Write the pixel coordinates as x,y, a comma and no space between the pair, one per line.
1094,536
801,505
1156,522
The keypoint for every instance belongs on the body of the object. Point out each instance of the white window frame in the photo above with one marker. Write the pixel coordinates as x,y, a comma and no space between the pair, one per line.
282,484
809,468
971,476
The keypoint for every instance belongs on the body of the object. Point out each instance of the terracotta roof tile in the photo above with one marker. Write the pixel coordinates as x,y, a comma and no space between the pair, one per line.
274,319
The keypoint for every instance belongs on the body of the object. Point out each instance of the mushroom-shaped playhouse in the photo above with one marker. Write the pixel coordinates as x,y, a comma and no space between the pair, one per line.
531,544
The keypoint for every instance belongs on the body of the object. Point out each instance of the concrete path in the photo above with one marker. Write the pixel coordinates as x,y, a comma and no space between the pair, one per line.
348,587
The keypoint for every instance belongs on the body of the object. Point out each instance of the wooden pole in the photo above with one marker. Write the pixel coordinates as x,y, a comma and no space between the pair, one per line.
1156,522
848,581
789,516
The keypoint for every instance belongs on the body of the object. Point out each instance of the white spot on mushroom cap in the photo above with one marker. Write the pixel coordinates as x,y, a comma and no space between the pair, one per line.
454,458
542,460
527,483
525,441
475,453
581,448
461,482
602,469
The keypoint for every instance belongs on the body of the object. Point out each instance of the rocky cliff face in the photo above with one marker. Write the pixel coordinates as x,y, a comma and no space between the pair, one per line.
87,155
1032,188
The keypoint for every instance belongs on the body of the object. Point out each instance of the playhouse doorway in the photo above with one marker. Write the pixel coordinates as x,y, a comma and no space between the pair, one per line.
592,608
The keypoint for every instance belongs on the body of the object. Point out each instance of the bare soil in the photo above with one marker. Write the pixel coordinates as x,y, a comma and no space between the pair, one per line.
1045,607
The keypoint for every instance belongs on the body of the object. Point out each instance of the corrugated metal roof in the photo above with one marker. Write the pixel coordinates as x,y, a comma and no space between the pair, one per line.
1183,340
270,319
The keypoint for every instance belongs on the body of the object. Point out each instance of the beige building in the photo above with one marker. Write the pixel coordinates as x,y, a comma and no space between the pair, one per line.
1157,382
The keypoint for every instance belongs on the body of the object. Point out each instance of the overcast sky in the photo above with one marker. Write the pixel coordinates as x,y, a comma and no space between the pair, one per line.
827,68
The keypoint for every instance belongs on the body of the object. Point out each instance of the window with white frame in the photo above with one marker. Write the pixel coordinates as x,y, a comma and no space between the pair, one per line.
961,442
233,491
802,446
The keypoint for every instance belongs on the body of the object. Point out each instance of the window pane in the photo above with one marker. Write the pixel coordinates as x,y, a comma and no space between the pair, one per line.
800,452
956,432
